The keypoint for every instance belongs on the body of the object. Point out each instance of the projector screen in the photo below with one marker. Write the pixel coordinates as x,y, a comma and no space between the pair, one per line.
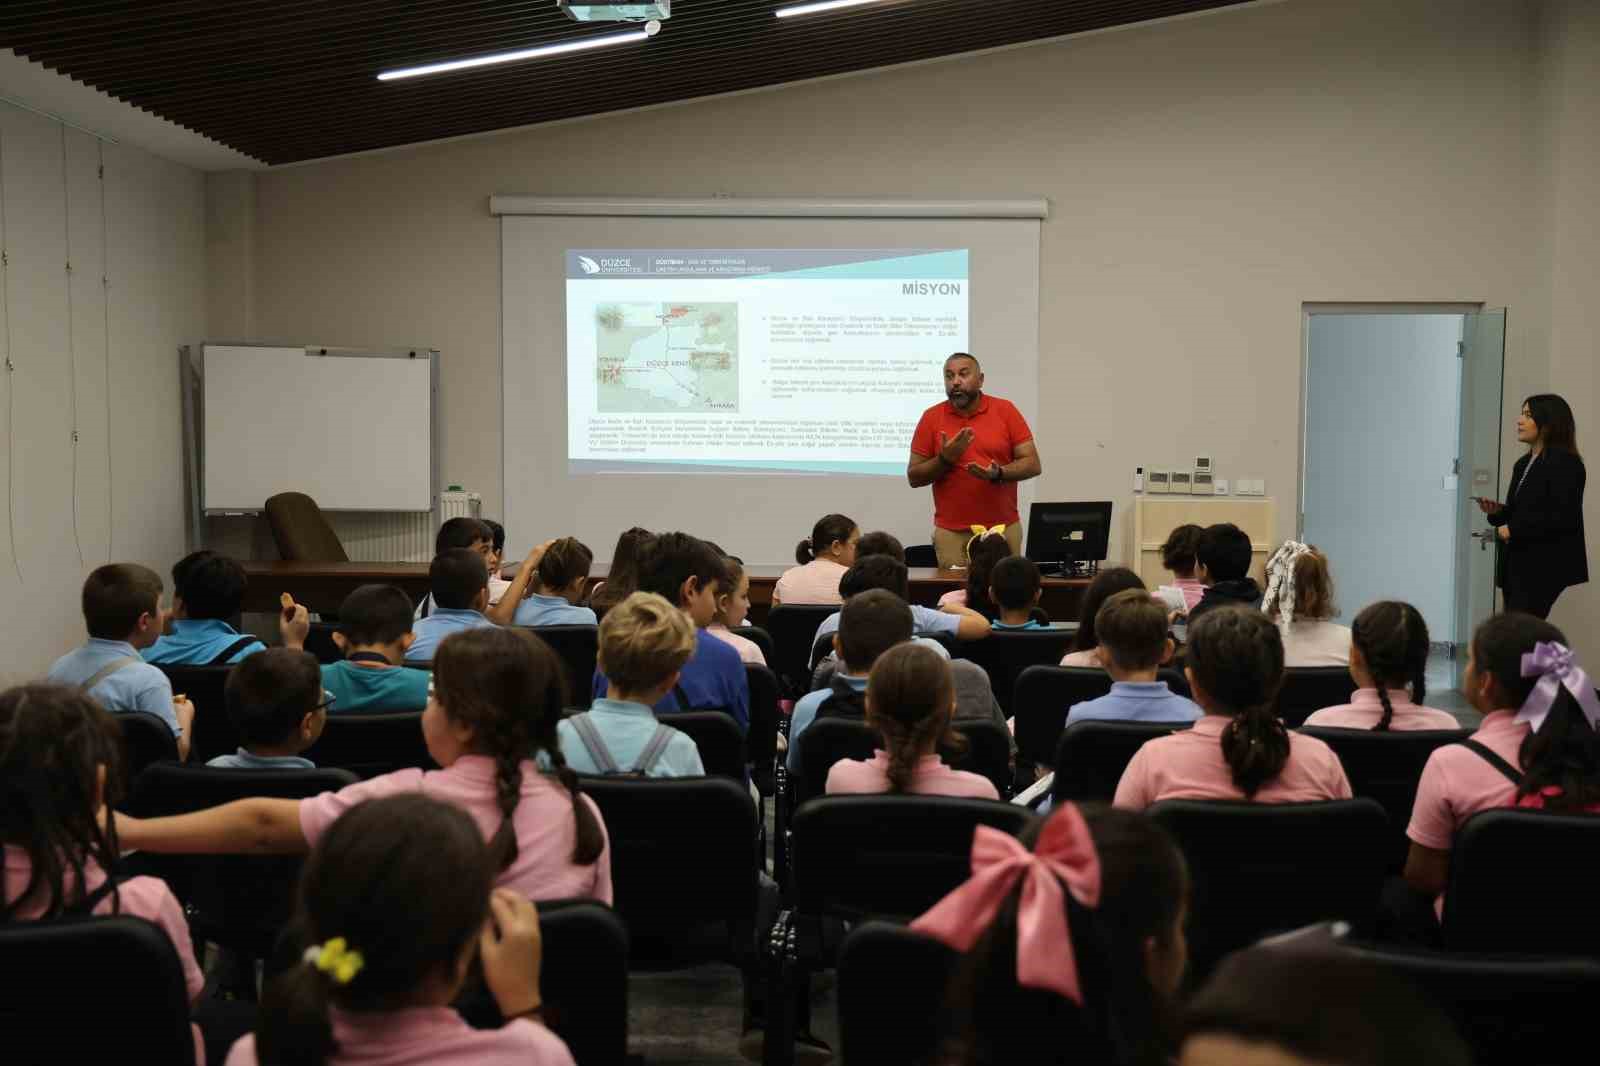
740,377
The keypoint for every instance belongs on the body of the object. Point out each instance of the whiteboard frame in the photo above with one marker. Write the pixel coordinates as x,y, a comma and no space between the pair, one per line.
194,420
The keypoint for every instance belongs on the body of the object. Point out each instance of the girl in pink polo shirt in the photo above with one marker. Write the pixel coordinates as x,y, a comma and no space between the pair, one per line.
986,548
1239,749
733,604
1107,583
911,695
823,557
1388,653
60,764
395,902
496,699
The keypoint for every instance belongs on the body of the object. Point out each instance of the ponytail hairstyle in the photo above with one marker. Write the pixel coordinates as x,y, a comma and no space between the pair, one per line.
983,551
1553,416
1106,584
829,528
507,685
1299,584
1564,754
404,883
1393,641
1125,1020
564,562
911,695
1177,554
622,580
1236,656
54,740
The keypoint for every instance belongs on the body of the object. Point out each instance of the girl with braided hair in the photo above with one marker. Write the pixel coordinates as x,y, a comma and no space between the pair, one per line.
911,695
496,700
1389,663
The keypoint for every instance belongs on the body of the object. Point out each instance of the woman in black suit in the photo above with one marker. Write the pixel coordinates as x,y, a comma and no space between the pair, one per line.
1540,525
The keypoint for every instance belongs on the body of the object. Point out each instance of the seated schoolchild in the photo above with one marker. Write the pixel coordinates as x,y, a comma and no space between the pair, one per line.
496,560
1299,598
871,623
883,572
472,534
374,633
1134,645
1178,556
880,542
1014,590
557,593
1222,563
207,590
986,548
459,591
823,557
1389,664
1106,584
733,605
277,705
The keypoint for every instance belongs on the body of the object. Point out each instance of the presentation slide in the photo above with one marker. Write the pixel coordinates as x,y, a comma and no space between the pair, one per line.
790,359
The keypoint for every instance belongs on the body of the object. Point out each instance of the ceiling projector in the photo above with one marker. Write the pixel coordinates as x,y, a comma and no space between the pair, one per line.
583,11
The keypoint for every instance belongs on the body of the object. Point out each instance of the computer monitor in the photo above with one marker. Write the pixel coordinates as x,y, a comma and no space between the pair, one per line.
1061,533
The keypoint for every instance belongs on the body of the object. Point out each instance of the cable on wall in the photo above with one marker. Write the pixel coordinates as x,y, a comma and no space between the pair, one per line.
10,367
72,348
105,307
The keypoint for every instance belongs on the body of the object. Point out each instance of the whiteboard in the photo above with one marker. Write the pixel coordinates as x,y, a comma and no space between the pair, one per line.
352,431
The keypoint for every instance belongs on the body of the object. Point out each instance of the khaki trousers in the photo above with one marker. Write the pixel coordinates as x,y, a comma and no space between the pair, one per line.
950,545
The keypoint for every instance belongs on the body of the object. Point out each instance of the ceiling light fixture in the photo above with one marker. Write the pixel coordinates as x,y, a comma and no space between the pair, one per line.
820,6
583,44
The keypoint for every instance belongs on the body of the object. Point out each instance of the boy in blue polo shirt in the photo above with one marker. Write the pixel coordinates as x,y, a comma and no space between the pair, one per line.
886,572
1134,644
374,633
687,571
459,590
870,623
277,706
122,611
1014,588
207,589
462,532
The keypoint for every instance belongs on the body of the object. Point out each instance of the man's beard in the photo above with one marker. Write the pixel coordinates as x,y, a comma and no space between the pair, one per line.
961,397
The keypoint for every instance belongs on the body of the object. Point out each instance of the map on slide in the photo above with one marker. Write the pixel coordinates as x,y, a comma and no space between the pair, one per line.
655,357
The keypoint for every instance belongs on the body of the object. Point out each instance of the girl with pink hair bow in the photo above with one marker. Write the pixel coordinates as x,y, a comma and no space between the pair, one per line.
1074,943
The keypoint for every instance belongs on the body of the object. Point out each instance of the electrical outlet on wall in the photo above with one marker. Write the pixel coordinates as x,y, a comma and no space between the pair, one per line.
1220,486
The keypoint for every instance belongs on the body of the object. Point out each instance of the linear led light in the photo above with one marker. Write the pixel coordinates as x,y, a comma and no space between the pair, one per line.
821,6
583,44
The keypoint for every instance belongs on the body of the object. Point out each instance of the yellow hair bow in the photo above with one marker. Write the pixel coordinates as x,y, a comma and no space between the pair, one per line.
336,960
980,531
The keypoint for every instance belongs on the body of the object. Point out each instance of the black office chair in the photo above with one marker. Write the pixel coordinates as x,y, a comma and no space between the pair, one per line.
760,638
892,984
1262,868
1004,655
319,642
921,557
820,650
717,736
1386,767
211,734
146,739
761,742
1044,694
661,827
370,745
1310,688
1523,881
238,901
794,628
1092,755
578,648
91,990
419,664
828,740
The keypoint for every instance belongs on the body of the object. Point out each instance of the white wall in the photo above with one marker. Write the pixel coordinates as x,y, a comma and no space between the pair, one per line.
128,498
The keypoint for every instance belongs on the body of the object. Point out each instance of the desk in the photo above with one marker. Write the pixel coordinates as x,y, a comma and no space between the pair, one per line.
323,586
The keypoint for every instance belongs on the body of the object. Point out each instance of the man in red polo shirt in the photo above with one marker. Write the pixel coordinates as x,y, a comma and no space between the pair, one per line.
973,450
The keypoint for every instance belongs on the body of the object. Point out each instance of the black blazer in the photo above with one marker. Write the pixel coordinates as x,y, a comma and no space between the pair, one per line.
1546,549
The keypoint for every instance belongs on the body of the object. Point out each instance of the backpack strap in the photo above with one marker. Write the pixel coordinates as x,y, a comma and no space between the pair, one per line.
426,607
682,697
107,670
231,650
1511,773
590,736
653,751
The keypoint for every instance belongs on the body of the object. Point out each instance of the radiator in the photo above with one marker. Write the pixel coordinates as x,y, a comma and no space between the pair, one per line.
384,538
457,504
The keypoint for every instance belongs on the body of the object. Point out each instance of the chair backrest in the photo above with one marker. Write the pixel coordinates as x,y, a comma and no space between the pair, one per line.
369,745
319,642
212,734
1092,755
863,856
584,979
146,739
91,989
891,983
579,648
1263,868
760,638
828,740
1512,1011
717,736
761,742
238,900
1004,654
1311,688
793,628
301,530
682,851
1044,694
1386,767
1523,881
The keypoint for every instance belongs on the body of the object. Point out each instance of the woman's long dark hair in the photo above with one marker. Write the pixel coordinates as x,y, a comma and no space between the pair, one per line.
1237,657
1105,585
622,579
1124,1020
403,880
1564,754
53,741
1393,640
985,551
507,685
1553,416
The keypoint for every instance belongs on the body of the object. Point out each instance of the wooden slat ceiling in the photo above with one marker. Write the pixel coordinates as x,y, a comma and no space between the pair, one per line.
288,80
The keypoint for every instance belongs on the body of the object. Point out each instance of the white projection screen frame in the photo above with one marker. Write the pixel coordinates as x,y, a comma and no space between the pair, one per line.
761,514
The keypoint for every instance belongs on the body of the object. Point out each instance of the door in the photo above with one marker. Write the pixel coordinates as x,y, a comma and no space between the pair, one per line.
1483,360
